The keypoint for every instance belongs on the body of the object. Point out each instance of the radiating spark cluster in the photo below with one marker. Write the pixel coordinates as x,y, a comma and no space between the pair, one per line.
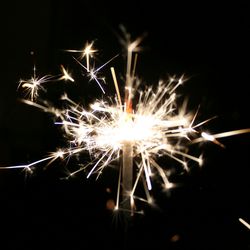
149,120
33,85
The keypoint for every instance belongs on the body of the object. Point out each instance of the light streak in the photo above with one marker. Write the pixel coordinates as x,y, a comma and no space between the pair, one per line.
244,223
132,131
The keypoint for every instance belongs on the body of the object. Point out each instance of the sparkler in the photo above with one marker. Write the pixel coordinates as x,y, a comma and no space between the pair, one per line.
137,127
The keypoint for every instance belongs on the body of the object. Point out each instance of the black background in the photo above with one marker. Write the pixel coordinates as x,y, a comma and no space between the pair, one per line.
207,42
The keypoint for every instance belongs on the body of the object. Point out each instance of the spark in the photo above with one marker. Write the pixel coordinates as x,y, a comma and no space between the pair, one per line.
213,138
34,84
87,52
244,223
92,73
53,156
66,76
137,127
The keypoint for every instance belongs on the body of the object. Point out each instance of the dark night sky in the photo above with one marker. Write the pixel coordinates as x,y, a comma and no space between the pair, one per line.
207,42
